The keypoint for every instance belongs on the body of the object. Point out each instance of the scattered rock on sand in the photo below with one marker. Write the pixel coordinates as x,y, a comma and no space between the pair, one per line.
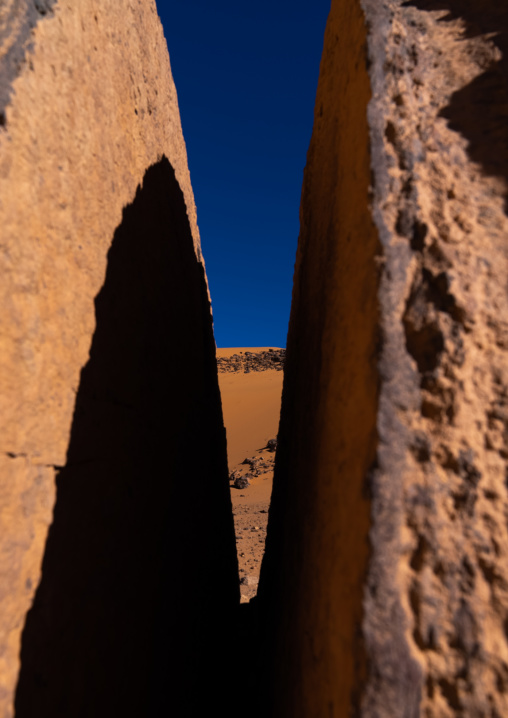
242,482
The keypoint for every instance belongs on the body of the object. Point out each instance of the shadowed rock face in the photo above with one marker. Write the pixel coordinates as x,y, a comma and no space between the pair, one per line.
384,579
108,378
479,109
118,623
316,557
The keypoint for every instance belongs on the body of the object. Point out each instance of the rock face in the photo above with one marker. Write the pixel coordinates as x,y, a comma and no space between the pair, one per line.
385,580
96,204
384,588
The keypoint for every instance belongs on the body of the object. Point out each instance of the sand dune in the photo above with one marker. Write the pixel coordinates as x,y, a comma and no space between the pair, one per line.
251,408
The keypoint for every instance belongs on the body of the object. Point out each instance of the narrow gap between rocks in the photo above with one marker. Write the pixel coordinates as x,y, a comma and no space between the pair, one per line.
251,385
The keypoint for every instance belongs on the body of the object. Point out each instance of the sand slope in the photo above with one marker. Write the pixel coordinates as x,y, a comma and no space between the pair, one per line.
251,408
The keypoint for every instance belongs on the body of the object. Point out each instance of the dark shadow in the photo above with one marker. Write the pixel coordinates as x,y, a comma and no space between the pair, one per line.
139,579
479,111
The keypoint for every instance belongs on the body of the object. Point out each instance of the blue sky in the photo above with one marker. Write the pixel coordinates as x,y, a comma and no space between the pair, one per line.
246,76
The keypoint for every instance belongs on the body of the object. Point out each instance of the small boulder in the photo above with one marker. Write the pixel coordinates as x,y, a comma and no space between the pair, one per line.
241,482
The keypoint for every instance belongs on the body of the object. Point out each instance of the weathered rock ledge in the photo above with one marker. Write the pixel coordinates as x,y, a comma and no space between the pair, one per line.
102,278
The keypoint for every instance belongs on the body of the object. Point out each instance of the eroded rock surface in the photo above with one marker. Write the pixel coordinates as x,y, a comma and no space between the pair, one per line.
252,361
102,287
385,575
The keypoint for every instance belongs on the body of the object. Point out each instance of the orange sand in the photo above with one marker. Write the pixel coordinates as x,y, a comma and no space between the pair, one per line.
251,408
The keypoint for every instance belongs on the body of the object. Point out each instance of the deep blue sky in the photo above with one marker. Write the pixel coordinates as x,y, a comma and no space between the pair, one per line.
246,76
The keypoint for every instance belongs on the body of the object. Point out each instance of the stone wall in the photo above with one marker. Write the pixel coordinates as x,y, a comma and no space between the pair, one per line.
384,589
384,585
108,377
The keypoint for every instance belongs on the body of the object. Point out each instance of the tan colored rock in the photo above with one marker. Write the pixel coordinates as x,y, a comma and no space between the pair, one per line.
385,581
92,160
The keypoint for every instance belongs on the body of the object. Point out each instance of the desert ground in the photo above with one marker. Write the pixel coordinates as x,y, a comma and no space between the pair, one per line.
251,393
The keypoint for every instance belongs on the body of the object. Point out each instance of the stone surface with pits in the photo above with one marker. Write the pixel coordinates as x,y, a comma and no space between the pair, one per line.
107,371
385,580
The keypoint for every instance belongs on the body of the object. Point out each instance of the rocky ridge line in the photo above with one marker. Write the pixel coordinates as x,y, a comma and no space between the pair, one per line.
252,361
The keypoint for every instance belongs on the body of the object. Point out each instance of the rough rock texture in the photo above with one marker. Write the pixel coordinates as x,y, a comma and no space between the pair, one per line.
96,203
252,361
385,580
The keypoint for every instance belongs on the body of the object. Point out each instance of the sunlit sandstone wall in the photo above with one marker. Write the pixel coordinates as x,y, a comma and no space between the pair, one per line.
385,582
107,375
